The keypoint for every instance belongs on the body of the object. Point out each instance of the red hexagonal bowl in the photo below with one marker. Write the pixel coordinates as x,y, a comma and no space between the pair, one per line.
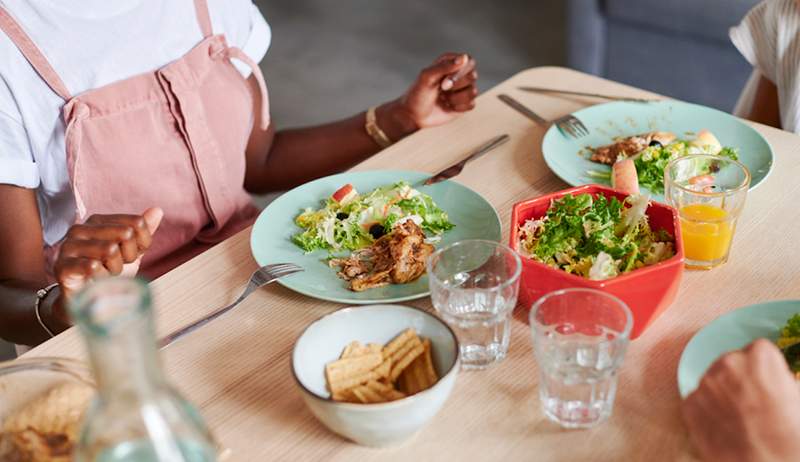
648,291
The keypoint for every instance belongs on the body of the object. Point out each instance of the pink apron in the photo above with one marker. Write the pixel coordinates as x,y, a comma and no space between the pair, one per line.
174,138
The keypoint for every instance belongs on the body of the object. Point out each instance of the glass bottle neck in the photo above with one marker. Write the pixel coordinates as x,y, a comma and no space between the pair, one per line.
116,319
126,361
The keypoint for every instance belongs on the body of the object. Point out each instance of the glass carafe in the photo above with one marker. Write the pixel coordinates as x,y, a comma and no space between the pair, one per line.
136,415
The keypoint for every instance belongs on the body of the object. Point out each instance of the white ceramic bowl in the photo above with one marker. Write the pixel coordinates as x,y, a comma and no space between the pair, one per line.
382,424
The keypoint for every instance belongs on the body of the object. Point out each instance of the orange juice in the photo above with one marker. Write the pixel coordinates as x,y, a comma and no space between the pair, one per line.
707,231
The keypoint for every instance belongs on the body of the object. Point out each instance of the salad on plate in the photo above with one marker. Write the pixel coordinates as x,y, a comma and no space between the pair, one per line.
595,237
378,238
352,221
789,343
640,160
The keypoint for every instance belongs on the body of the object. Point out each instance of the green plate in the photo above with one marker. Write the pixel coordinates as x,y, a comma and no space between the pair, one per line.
729,332
568,157
270,240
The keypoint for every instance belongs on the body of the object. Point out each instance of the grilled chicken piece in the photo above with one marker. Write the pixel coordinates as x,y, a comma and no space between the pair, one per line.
629,146
409,252
395,258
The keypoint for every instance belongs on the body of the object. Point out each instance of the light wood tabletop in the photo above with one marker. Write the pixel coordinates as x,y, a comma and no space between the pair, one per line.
238,368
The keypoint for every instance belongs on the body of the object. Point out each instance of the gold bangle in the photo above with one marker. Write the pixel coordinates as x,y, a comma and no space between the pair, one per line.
375,131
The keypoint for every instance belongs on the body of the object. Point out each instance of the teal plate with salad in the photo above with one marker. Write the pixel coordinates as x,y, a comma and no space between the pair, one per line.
308,226
733,331
569,158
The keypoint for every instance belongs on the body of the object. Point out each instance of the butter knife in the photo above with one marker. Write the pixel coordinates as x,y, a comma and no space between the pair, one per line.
455,169
590,95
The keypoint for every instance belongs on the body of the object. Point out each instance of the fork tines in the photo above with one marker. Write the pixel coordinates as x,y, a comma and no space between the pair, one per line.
571,126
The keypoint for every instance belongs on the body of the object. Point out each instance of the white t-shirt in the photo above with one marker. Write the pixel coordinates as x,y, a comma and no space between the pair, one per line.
769,38
89,44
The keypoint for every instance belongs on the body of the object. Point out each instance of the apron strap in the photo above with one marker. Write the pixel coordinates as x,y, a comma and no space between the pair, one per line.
236,53
203,17
33,54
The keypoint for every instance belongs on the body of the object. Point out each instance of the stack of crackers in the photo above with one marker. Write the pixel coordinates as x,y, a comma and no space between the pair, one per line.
375,374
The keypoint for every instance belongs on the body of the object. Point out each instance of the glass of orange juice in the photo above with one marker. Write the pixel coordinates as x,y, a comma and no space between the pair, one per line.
709,193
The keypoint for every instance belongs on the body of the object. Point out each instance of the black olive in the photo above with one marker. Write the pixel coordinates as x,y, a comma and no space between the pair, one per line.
342,216
377,230
656,143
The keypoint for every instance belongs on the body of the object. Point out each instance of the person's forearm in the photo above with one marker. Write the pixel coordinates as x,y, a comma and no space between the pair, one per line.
766,107
17,302
299,155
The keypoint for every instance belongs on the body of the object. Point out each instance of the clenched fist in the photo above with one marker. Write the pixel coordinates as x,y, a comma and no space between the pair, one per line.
104,245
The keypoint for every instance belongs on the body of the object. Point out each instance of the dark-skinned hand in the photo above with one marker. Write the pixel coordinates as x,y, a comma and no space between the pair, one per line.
104,245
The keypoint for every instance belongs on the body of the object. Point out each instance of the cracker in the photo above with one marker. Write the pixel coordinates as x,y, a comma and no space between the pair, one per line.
376,392
398,342
349,372
352,349
420,374
402,363
355,349
367,395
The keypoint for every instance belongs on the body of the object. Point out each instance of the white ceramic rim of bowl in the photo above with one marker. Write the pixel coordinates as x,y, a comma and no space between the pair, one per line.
510,281
77,369
625,334
453,368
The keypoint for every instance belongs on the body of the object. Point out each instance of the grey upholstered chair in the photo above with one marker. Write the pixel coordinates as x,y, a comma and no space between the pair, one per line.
679,48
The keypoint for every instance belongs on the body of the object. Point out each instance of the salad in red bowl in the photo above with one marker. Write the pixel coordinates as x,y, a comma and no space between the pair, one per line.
593,236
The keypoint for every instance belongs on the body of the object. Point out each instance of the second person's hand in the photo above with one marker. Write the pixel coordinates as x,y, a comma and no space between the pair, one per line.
746,408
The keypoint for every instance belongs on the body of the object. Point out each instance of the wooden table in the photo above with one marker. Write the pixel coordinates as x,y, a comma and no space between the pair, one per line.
238,369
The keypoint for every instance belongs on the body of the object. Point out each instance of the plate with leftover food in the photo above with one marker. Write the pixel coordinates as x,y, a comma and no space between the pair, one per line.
363,237
778,321
629,144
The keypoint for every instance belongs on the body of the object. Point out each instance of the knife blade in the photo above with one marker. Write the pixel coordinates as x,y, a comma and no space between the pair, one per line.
590,95
455,169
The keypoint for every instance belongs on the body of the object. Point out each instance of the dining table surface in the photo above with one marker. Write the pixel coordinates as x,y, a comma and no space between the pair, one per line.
238,368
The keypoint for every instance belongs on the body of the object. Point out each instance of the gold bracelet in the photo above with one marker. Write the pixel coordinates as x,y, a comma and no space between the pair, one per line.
375,131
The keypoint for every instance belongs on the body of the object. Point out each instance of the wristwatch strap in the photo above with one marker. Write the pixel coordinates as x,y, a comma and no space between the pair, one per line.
375,131
40,295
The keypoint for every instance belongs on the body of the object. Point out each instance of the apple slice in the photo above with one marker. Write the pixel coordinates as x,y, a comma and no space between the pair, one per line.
345,194
624,178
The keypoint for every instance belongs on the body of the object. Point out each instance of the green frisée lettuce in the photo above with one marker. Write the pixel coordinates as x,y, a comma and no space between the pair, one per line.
356,223
651,163
789,343
651,160
595,237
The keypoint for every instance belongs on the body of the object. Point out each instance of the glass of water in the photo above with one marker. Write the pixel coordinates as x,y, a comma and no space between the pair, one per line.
474,286
579,338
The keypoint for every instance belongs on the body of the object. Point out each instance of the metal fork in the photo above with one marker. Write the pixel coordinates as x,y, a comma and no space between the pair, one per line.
261,277
569,125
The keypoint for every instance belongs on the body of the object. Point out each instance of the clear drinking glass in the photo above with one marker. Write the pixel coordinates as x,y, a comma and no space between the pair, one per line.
474,286
579,338
709,193
136,415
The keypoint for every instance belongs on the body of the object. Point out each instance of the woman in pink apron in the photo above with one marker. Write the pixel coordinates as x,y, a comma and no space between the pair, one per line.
161,163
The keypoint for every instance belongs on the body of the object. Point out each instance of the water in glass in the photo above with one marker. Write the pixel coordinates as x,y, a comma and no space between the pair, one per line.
578,381
482,329
474,286
579,337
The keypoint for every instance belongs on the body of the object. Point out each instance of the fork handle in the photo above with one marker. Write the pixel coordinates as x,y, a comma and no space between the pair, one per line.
175,335
519,107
